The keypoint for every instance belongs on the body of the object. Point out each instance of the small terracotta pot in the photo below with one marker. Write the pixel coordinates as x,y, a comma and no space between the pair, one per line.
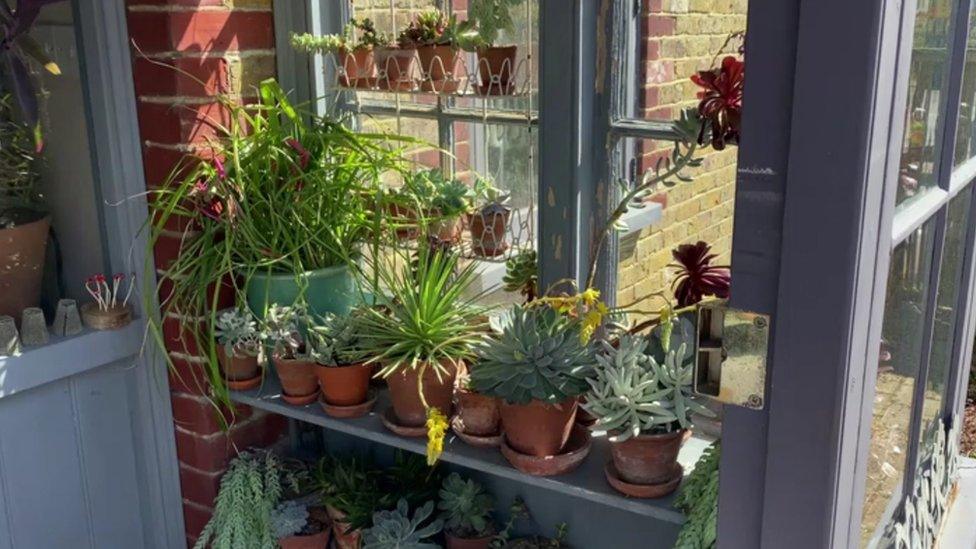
313,541
359,68
648,459
439,66
344,385
439,393
479,414
571,456
394,68
344,538
237,368
454,542
496,67
297,376
488,230
405,218
538,428
447,229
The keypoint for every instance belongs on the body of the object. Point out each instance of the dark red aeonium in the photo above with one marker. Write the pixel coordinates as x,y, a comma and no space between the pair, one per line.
697,277
721,102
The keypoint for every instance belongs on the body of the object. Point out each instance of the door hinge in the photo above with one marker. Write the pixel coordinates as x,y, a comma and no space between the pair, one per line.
731,355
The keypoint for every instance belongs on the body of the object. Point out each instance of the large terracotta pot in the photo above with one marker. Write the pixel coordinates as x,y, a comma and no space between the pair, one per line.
496,67
344,537
394,68
344,385
439,393
237,367
454,542
297,376
648,459
359,68
479,413
488,228
314,541
439,65
538,428
22,251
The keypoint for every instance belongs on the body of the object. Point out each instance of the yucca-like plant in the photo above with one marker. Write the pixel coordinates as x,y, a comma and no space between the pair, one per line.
522,274
397,530
465,507
237,331
537,356
633,394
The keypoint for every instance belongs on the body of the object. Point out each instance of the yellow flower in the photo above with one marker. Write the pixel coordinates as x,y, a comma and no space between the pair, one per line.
436,430
590,296
591,322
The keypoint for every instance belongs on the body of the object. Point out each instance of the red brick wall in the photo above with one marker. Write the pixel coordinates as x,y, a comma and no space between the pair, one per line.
224,47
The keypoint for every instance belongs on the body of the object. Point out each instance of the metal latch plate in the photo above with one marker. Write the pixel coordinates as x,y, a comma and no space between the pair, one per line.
731,355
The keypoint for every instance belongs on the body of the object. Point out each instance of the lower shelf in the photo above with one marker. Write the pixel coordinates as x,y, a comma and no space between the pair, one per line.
586,483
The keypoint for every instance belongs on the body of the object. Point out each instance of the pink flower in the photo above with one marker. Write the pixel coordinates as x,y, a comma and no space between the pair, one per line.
304,155
219,166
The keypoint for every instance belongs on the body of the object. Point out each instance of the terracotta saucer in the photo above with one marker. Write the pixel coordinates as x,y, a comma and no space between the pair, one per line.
643,491
244,384
348,412
576,450
478,441
392,422
300,400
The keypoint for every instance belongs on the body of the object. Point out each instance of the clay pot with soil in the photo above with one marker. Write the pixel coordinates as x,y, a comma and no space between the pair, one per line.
489,227
538,428
345,389
479,420
438,390
299,383
344,536
394,68
648,459
357,68
496,70
23,245
439,66
241,370
315,535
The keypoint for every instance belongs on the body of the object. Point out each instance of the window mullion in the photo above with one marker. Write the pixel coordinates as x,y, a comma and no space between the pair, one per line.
950,108
965,324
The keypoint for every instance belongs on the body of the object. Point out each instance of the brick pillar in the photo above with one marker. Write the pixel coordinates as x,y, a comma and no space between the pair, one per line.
227,46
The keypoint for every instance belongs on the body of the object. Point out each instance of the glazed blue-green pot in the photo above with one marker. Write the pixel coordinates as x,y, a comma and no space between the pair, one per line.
328,290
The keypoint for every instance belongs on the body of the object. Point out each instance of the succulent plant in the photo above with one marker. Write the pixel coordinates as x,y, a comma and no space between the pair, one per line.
432,27
697,277
237,331
519,511
465,507
357,34
537,356
349,486
289,518
281,330
397,530
492,16
522,274
333,340
633,394
452,197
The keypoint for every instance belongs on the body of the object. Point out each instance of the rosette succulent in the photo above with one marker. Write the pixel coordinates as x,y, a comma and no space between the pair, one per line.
465,507
238,332
397,530
697,277
334,340
538,355
522,274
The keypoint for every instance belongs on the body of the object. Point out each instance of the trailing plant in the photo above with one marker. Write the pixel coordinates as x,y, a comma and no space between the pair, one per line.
397,530
282,330
237,331
698,499
492,17
333,340
250,491
358,34
519,511
465,507
522,274
538,355
696,276
432,27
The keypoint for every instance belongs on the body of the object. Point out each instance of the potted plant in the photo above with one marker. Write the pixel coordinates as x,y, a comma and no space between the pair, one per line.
479,420
354,50
238,344
496,64
396,529
450,202
466,509
110,308
333,344
537,366
295,527
395,63
522,274
489,224
519,511
645,406
299,384
438,40
421,337
351,493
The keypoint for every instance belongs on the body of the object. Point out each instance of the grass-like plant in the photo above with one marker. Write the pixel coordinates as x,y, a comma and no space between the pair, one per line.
19,200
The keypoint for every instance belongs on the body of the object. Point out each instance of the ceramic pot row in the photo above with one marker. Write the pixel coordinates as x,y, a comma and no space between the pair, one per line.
487,228
392,68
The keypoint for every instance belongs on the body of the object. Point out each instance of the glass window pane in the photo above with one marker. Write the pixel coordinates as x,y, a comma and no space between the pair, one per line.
926,84
946,311
901,352
965,146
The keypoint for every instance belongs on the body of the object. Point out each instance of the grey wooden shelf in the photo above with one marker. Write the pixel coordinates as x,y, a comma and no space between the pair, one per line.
586,483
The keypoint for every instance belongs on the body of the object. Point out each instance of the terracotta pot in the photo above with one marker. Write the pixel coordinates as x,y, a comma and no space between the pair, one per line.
22,251
237,368
538,428
405,219
313,541
394,68
359,68
344,385
496,67
648,459
439,66
488,230
344,537
406,398
448,229
454,542
297,376
479,413
571,456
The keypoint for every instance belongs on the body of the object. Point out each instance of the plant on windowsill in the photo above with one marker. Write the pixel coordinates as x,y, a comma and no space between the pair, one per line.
466,508
439,40
645,404
537,367
496,64
396,529
354,50
522,274
450,203
238,346
421,337
489,224
283,333
334,346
